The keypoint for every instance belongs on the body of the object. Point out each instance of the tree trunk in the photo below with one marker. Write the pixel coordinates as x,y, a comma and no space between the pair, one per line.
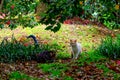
1,4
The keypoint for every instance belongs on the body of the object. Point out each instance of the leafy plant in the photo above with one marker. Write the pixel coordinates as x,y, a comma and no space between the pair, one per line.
89,57
1,26
20,76
12,51
58,11
103,11
55,69
68,78
106,70
18,13
110,47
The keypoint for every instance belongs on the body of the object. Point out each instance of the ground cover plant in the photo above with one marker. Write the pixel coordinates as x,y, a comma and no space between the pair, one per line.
12,51
54,23
110,47
20,76
63,68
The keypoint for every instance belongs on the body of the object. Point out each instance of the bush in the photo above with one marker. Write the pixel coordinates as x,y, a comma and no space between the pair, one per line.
110,47
12,51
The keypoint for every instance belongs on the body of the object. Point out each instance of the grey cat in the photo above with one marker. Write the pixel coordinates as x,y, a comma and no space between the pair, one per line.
45,56
76,48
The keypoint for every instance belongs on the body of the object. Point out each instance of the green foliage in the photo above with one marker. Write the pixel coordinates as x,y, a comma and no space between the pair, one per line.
103,11
58,11
89,57
95,10
55,69
68,78
62,53
20,76
18,12
1,26
12,51
28,21
110,47
110,20
106,70
16,7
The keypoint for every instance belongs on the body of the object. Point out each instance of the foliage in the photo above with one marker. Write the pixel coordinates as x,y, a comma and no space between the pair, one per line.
17,12
110,47
89,65
12,51
89,57
105,12
107,70
58,11
20,76
55,69
100,61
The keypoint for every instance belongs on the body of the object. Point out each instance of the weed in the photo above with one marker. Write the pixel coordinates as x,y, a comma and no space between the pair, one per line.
68,78
107,71
88,57
20,76
55,69
110,47
16,51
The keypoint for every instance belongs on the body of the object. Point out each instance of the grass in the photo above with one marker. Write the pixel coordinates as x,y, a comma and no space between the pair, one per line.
20,76
88,36
110,47
54,69
62,37
99,61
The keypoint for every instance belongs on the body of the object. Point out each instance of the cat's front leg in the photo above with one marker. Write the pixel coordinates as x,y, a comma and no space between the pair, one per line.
73,56
77,55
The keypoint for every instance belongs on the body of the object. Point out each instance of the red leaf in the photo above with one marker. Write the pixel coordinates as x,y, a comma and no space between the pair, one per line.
12,7
25,44
1,17
118,62
8,22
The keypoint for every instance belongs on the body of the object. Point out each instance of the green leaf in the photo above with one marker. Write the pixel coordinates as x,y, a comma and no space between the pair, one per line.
86,7
12,26
48,27
56,28
1,26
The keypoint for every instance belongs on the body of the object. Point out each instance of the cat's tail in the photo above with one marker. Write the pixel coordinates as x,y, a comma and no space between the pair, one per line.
34,39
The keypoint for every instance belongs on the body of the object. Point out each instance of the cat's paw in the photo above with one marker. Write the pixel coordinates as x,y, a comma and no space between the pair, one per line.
76,58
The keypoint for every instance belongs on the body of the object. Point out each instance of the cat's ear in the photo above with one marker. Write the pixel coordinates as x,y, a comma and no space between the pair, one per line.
75,40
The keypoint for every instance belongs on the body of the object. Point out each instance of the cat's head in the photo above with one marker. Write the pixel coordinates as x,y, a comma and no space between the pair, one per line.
52,54
73,41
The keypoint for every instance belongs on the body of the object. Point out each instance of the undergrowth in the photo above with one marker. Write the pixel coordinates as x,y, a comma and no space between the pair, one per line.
110,47
12,51
20,76
54,69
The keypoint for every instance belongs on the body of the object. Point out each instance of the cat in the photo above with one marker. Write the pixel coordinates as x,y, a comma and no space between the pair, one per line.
45,56
34,39
76,48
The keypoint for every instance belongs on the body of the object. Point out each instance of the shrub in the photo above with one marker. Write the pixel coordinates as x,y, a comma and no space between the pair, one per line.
12,51
110,47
